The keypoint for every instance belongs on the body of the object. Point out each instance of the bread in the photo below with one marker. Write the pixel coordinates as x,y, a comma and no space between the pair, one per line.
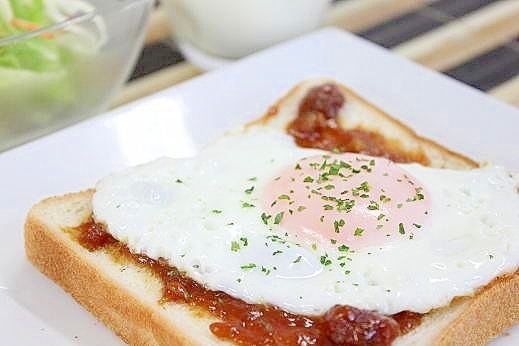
126,297
357,113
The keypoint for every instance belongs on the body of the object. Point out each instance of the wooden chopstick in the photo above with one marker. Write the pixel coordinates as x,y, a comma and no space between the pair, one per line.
460,40
507,91
155,82
159,27
357,15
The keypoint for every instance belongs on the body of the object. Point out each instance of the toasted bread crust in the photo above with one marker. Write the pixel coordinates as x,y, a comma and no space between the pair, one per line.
126,298
493,310
137,319
365,116
471,320
141,320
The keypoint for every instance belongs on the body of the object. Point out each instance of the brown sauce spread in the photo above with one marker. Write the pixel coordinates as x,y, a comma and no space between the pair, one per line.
259,324
316,126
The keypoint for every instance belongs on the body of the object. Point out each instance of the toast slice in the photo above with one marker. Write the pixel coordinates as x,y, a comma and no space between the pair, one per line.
121,295
127,297
358,114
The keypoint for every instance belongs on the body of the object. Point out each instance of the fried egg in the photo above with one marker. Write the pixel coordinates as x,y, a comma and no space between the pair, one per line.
266,221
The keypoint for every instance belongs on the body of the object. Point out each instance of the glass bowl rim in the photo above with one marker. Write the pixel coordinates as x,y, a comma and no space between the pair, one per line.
119,5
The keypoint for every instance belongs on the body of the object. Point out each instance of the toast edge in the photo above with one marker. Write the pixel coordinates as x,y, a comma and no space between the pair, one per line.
438,154
56,255
476,320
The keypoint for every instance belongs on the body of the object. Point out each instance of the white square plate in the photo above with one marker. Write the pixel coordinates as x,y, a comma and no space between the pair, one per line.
176,121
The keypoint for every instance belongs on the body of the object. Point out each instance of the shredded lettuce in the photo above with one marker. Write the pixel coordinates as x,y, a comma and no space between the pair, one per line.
30,10
40,53
6,15
38,71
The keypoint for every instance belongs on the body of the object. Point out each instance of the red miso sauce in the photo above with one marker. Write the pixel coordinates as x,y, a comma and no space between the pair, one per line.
316,126
258,324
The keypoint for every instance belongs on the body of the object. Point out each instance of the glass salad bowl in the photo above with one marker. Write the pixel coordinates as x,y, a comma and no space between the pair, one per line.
63,60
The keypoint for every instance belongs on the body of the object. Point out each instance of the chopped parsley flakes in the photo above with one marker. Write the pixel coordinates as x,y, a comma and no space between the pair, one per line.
248,266
235,246
278,218
247,205
358,232
337,224
401,229
265,218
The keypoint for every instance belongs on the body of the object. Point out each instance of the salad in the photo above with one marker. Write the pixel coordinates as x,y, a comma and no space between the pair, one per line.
47,49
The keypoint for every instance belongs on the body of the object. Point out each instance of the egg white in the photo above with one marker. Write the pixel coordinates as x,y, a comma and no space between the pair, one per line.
203,215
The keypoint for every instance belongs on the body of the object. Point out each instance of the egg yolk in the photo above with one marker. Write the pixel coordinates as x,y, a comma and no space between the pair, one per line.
349,199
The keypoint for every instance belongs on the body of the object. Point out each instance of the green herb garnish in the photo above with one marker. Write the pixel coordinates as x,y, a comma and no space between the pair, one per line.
401,229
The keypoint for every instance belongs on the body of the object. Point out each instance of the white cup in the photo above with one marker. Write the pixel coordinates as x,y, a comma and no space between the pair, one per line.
236,28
